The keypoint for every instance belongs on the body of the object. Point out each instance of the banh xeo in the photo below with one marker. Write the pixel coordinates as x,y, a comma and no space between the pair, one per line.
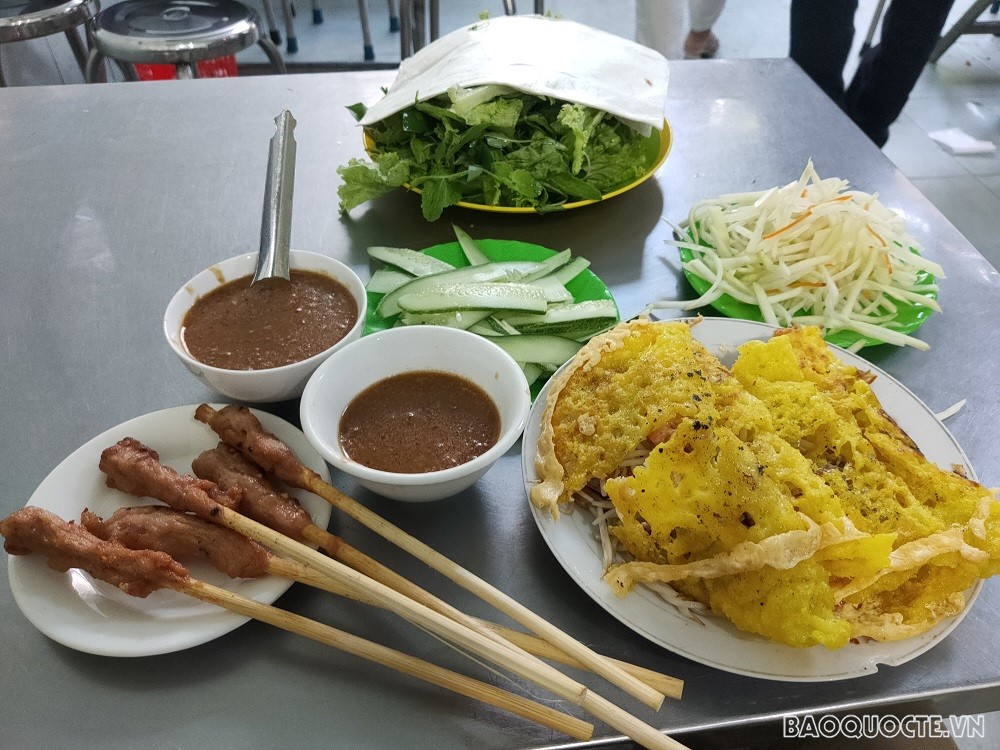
521,112
777,494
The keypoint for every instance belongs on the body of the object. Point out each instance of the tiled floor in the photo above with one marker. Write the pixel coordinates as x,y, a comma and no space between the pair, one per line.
962,90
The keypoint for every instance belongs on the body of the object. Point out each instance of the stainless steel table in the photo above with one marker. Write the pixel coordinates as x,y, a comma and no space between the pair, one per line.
114,195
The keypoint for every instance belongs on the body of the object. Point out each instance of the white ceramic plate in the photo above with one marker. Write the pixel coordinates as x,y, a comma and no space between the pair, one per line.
717,643
92,616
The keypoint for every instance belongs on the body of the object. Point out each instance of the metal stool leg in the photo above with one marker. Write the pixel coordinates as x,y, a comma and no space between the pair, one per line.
272,24
952,35
393,16
366,32
79,47
186,71
292,44
94,69
272,54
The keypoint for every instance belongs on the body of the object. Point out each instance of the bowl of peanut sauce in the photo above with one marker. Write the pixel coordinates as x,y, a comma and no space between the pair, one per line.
261,343
417,413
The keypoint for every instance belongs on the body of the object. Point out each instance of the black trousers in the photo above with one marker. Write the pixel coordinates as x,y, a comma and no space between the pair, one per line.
821,35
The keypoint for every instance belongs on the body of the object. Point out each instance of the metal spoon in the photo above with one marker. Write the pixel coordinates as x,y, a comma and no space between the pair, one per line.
276,223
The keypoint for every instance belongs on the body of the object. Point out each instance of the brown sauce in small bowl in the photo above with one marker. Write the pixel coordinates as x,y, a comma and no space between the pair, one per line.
239,327
418,422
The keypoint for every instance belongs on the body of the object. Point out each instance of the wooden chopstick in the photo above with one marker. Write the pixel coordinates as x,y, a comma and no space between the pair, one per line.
669,686
294,473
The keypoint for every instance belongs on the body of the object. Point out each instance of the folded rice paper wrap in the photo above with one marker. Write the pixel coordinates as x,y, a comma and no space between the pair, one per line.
541,56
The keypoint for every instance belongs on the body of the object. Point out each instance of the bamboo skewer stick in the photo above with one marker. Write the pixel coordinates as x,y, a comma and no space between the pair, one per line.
290,470
669,686
409,665
139,572
376,594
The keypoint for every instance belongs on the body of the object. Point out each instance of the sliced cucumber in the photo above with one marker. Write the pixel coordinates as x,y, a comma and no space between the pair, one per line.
555,292
571,270
475,296
473,254
410,261
509,271
531,371
568,320
550,265
494,326
385,280
546,351
465,319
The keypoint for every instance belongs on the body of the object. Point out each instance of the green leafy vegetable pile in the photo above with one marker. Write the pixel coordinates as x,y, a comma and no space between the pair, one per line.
495,146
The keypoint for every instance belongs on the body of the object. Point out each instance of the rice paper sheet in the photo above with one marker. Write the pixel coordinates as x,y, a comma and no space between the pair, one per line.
537,55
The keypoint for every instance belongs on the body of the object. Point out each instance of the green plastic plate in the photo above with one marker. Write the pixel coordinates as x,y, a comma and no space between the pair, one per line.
909,316
586,286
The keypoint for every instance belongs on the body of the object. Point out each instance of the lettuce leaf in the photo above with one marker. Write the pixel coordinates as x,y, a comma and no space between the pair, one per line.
497,148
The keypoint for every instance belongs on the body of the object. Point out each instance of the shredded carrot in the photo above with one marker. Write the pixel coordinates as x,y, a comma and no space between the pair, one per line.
876,235
788,226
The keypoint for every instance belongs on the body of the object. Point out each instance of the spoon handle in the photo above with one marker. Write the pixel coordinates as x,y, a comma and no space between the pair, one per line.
276,223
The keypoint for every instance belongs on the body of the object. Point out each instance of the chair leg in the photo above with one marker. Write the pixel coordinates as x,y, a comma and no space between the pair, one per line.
540,7
292,44
366,32
952,35
128,70
272,54
3,81
317,13
394,16
272,24
79,47
94,69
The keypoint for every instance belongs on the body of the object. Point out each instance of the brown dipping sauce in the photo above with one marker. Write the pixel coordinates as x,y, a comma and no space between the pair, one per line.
239,327
418,422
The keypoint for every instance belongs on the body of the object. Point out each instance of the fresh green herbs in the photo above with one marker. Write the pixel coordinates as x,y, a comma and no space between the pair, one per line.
496,146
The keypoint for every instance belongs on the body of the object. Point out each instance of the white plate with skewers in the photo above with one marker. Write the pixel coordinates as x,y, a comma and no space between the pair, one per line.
92,616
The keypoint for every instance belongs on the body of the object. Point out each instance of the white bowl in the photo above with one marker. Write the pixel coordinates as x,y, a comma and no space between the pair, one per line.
413,348
275,383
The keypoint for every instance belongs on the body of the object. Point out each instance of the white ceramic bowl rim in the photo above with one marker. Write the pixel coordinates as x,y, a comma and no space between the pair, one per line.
173,337
511,431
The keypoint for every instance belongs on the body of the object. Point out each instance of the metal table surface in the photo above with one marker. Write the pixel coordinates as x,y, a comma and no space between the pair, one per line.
114,195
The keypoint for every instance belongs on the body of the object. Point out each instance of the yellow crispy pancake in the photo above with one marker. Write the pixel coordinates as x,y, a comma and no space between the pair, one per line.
637,377
778,494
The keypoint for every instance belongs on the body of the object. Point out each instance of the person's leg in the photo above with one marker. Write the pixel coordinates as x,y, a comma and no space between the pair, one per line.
821,36
704,13
659,24
888,72
700,41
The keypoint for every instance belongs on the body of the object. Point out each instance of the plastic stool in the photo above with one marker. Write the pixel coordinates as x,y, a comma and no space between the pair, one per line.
31,19
178,32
